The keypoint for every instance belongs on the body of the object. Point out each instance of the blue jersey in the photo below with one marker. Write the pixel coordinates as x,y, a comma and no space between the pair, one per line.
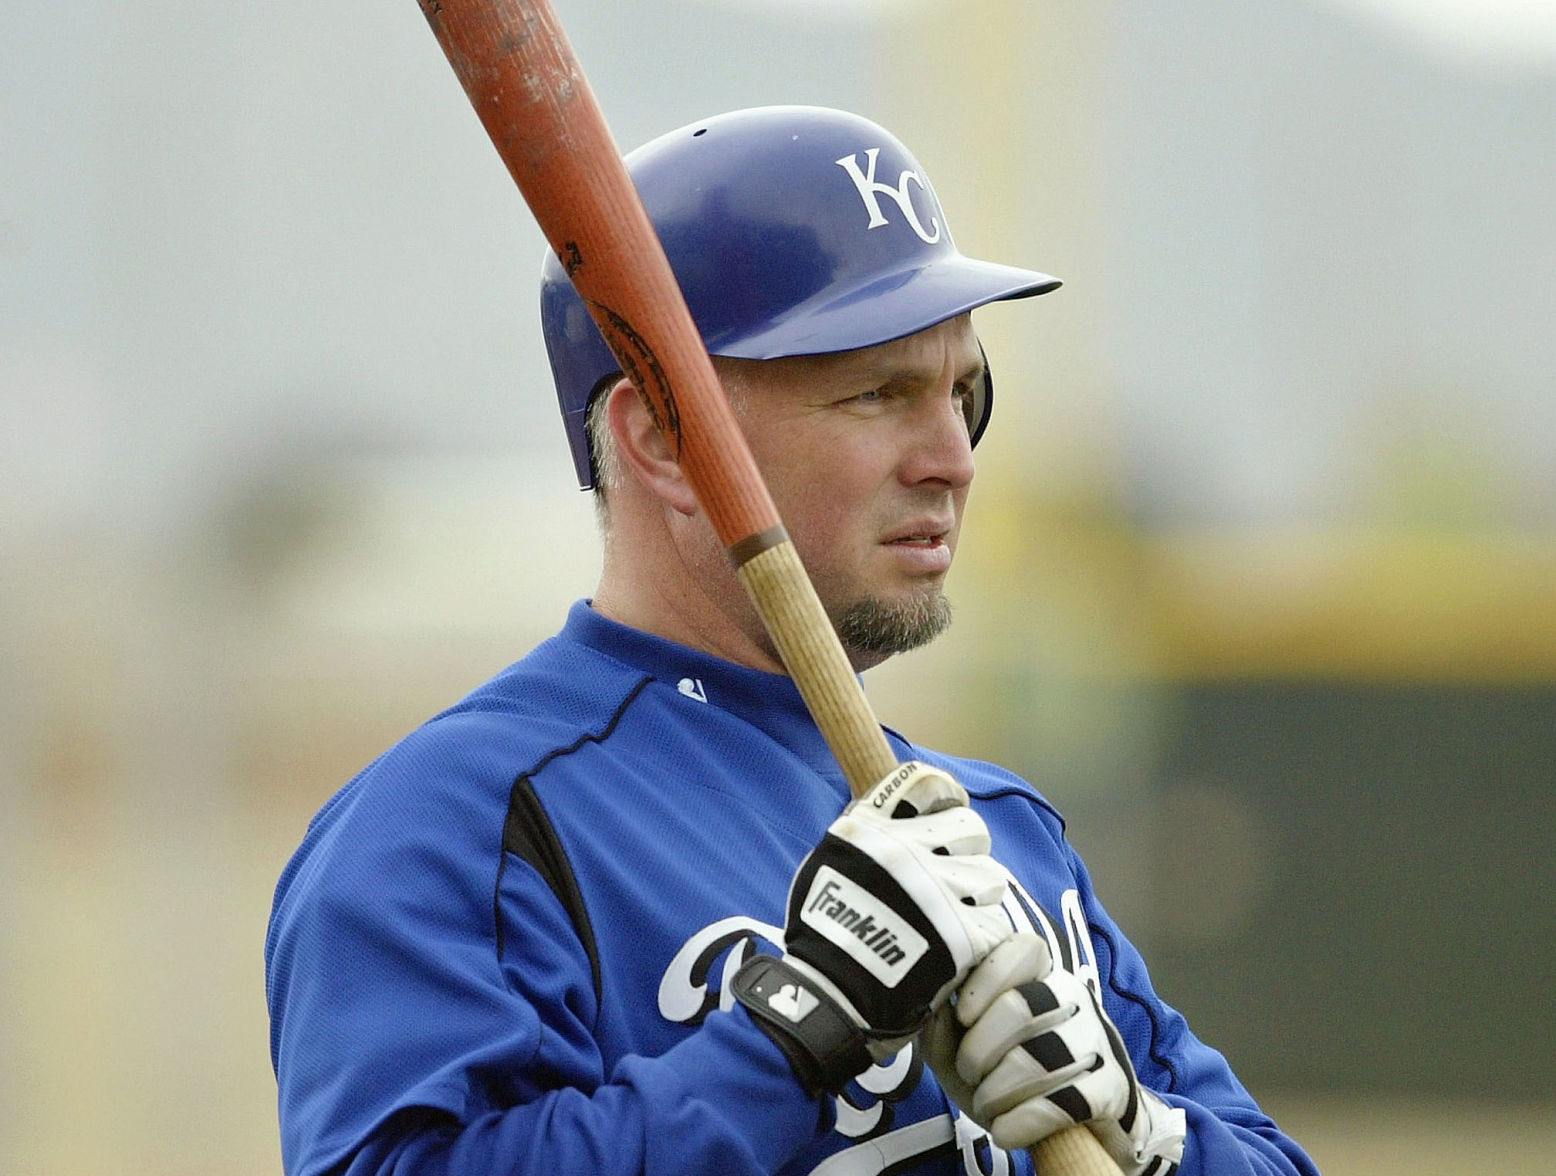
506,945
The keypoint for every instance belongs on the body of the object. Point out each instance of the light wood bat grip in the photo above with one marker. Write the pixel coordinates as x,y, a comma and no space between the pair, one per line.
1073,1152
801,630
803,634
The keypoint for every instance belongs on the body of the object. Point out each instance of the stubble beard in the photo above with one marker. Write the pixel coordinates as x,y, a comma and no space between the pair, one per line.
876,629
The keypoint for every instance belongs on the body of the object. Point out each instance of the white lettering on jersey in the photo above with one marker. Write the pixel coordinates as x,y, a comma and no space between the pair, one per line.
1083,959
684,990
692,688
870,190
695,982
1070,942
891,1080
895,1149
980,1156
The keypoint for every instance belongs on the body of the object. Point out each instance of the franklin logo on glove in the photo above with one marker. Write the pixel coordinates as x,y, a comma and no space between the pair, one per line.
863,926
885,917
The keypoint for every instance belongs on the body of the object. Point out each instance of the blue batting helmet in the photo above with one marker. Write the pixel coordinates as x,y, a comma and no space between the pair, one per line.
792,230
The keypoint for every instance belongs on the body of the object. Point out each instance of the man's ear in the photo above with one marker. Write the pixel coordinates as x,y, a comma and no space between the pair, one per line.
643,451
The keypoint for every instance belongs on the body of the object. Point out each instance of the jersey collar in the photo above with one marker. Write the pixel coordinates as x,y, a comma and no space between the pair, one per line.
768,701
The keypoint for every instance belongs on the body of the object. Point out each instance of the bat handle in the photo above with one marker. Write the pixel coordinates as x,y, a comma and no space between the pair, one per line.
1072,1152
805,639
802,633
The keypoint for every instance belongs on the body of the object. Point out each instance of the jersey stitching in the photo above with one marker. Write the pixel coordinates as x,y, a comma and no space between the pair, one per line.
586,932
1132,997
1101,933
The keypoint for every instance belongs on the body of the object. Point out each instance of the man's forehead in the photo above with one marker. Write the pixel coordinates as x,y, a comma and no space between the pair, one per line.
953,341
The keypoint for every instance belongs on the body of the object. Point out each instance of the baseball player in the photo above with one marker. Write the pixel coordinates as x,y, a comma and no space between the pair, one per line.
613,912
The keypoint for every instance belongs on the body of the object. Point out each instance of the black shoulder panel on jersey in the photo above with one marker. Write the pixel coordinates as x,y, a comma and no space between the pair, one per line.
528,833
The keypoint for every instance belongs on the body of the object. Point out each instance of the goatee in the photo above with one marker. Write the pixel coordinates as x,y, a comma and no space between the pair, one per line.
881,628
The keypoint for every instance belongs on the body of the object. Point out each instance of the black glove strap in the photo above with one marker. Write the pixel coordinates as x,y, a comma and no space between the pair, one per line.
824,1046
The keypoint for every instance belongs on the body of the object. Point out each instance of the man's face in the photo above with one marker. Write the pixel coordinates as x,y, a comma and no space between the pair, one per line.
868,457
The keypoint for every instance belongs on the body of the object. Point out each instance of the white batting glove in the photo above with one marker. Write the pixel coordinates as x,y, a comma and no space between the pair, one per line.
885,918
1026,1050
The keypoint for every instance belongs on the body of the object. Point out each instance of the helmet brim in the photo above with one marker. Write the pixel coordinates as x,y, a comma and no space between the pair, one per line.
887,307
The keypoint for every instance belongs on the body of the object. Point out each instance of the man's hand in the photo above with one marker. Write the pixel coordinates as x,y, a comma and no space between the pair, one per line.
1026,1050
885,917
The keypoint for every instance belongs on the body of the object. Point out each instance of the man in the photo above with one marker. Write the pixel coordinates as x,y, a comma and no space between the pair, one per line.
604,915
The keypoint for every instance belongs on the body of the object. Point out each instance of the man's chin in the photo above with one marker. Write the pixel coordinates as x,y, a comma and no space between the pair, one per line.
873,629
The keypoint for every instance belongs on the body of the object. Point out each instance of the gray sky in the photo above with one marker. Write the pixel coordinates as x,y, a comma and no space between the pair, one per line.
228,233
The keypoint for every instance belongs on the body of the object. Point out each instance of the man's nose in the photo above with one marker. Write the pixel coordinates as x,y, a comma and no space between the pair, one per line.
943,451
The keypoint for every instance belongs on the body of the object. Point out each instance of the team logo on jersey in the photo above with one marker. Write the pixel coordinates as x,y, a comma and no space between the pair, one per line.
881,1135
692,688
871,190
698,980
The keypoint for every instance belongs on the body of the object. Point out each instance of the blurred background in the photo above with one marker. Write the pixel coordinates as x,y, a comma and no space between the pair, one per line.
1259,584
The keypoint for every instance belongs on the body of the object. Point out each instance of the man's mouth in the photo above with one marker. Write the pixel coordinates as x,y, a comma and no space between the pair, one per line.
926,532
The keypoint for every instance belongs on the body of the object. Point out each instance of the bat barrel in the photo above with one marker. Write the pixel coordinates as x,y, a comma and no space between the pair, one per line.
525,83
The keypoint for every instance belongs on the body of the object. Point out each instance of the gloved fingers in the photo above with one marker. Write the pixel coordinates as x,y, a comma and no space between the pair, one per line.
1020,959
939,1038
973,881
967,881
1035,1119
1040,1054
1068,1066
1024,1017
938,1041
975,920
1156,1146
1087,1031
1027,1124
911,789
953,831
1018,1078
987,927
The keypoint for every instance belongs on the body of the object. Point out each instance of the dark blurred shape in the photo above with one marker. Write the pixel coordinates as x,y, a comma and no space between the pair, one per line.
1404,935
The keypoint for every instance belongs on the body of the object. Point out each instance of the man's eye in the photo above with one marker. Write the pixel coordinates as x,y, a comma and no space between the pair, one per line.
871,396
967,398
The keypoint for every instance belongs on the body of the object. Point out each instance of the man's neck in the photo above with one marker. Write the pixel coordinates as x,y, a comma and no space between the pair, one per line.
701,607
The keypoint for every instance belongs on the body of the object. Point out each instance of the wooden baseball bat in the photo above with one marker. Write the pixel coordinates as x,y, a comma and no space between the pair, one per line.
521,75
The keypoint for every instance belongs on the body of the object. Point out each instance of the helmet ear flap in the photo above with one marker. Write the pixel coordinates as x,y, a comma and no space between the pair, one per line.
981,405
581,437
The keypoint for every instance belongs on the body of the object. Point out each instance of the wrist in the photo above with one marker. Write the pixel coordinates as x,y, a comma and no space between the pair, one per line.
807,1018
881,1045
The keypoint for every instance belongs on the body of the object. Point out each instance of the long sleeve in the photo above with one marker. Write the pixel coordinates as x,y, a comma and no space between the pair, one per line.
679,1113
403,1042
506,946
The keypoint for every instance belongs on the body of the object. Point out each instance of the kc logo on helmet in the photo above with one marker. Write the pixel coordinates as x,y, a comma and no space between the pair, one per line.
871,189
